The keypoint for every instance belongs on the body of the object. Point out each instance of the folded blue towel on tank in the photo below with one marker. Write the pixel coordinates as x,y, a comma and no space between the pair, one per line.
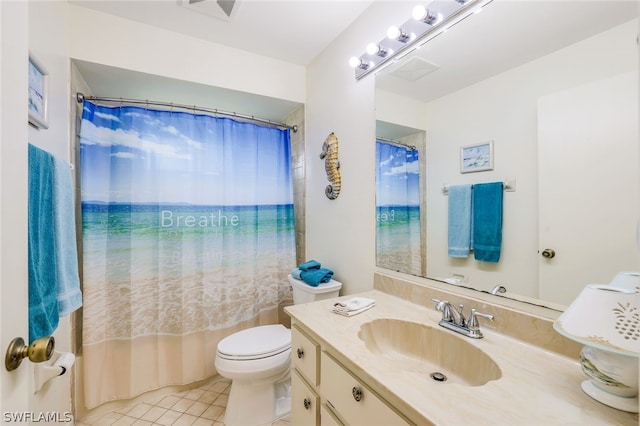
487,221
309,265
296,273
315,277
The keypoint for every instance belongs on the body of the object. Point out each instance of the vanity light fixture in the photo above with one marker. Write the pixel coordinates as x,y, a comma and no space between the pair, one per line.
425,24
606,319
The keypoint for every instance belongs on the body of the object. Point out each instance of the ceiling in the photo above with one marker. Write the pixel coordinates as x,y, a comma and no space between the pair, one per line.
507,34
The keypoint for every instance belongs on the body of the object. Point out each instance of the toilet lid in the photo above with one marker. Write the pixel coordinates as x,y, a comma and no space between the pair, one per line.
256,342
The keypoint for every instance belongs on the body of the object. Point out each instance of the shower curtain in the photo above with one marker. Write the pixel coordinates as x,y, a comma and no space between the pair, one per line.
398,235
188,235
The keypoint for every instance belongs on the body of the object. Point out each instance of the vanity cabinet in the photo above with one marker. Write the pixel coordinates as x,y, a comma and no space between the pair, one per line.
326,393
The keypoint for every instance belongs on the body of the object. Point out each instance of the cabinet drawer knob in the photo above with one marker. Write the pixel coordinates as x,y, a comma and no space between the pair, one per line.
300,353
357,393
307,403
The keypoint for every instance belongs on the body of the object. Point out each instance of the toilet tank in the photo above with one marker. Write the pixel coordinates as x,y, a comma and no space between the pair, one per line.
304,293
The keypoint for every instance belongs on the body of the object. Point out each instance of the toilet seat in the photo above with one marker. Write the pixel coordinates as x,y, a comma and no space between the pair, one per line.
255,343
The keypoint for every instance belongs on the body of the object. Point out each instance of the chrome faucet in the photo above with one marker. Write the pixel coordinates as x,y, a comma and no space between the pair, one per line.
453,319
449,313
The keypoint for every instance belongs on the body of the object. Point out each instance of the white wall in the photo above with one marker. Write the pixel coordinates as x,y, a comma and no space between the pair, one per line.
397,109
341,232
504,109
109,40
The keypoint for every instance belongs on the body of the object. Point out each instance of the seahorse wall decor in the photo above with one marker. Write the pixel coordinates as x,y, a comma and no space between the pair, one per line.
331,165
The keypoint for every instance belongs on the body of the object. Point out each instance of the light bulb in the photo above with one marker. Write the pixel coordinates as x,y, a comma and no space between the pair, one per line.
360,63
372,48
419,12
393,32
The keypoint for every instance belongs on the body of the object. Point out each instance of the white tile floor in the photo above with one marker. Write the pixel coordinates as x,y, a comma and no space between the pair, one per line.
201,406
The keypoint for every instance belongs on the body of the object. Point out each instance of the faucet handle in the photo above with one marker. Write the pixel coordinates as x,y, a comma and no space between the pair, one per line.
472,322
445,307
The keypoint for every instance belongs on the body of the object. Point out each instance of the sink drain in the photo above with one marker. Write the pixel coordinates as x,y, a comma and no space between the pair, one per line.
439,377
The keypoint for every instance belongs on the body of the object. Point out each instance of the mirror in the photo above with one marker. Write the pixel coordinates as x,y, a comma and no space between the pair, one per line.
554,85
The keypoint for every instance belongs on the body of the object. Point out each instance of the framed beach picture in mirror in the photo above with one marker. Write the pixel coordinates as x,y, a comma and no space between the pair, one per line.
38,94
477,157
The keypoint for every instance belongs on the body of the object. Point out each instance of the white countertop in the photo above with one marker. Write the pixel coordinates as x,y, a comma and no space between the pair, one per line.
536,387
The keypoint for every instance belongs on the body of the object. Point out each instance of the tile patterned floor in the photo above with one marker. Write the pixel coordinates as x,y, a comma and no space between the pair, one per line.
202,406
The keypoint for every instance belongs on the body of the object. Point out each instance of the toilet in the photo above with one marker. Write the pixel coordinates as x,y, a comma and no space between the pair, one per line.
258,361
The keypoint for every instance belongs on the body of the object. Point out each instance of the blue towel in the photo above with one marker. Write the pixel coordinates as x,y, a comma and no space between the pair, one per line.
43,301
459,225
314,277
68,289
487,221
296,273
309,265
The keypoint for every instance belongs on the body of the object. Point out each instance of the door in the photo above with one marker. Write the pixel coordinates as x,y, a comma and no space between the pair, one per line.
14,53
593,129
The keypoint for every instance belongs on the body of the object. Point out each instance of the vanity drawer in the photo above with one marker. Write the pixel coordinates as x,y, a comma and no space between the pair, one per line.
305,404
305,355
327,418
353,401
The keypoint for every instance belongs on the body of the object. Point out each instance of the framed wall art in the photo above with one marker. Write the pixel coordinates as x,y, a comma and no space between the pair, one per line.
477,157
38,94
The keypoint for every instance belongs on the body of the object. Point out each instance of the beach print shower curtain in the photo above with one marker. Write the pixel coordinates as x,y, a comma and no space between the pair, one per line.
398,235
187,235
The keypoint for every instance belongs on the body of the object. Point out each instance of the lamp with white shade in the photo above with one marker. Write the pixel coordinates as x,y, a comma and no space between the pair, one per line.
606,319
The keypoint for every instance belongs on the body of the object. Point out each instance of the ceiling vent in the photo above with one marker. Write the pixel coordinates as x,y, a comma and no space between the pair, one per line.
414,69
225,10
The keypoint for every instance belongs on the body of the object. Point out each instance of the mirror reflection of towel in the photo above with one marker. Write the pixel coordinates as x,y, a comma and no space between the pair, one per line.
459,224
487,221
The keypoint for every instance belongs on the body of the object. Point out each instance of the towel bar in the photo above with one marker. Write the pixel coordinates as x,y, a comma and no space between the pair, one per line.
509,186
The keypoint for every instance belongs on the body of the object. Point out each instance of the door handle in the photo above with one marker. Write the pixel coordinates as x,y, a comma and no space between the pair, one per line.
39,350
548,253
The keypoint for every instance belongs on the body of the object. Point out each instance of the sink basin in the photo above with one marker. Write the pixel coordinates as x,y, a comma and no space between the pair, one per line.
429,351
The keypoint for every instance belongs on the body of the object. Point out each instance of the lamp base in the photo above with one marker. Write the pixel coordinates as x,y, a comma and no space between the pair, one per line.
621,403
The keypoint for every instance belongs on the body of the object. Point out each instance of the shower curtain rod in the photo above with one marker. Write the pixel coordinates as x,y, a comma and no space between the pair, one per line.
80,98
391,141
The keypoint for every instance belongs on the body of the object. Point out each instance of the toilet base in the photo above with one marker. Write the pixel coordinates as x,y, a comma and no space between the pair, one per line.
258,403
